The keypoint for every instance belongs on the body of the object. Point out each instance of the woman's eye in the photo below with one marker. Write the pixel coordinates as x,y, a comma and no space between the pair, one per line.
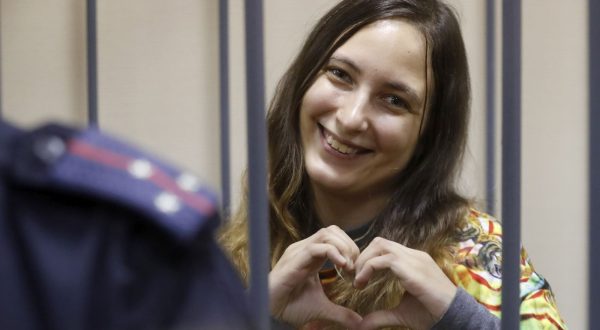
396,101
339,74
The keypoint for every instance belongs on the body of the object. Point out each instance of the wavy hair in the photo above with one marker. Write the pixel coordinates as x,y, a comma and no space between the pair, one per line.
425,209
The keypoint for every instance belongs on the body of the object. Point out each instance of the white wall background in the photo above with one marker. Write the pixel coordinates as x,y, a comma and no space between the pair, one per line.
158,87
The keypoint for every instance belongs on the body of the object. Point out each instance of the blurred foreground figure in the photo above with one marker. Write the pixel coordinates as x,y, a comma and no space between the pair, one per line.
95,234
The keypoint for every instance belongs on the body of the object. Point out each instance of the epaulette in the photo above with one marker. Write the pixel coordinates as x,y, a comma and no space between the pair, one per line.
90,163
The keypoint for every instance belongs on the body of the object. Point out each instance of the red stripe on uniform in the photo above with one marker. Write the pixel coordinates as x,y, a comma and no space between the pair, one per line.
96,155
194,201
159,178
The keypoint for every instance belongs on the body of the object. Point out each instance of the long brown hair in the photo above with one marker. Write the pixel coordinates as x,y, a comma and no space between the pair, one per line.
425,209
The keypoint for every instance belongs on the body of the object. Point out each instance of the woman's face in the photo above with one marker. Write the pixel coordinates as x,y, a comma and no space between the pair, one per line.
360,119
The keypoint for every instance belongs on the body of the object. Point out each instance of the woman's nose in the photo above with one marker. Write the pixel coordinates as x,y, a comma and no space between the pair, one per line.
352,115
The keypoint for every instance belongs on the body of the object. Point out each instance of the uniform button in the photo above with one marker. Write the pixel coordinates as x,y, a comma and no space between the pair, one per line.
188,182
167,203
49,148
140,168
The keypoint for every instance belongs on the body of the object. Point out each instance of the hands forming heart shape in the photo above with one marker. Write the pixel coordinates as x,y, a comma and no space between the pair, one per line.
297,296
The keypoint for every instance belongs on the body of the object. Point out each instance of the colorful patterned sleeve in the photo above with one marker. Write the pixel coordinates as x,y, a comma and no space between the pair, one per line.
478,271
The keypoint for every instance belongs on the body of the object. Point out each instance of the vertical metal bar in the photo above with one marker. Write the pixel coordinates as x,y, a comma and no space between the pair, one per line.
511,162
594,209
490,92
92,72
1,86
257,166
224,102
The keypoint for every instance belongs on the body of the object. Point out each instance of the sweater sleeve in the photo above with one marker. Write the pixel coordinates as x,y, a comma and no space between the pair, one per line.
466,313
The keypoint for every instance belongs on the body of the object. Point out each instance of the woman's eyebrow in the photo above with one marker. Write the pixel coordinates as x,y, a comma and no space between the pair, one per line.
346,61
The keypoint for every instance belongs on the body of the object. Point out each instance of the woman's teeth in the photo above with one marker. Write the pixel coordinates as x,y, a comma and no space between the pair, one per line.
337,145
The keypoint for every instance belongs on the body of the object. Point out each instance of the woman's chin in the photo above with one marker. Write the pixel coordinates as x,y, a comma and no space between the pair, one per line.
332,183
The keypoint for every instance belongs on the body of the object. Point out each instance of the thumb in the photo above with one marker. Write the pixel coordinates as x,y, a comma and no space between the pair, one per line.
409,313
380,319
341,315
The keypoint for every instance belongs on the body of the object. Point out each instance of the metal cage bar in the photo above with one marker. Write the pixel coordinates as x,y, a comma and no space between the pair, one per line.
257,167
511,162
1,86
224,106
92,65
594,154
490,119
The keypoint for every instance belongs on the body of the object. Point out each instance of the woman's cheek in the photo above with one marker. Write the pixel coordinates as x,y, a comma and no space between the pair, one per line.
321,97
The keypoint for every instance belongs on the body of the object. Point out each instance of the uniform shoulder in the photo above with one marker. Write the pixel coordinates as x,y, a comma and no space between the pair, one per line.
89,221
93,164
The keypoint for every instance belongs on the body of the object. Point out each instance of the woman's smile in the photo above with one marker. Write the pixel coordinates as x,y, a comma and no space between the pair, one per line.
339,147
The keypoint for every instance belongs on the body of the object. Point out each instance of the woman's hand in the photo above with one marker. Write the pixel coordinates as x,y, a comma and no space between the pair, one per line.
428,291
294,287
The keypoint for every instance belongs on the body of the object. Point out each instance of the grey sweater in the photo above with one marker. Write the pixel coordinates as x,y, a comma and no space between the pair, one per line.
466,313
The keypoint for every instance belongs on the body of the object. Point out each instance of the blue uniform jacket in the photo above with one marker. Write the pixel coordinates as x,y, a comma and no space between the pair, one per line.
95,234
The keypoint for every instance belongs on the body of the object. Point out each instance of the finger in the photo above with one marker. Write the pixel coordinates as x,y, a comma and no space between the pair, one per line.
418,274
298,267
316,253
337,237
348,318
409,313
307,258
379,246
352,247
303,252
380,319
370,267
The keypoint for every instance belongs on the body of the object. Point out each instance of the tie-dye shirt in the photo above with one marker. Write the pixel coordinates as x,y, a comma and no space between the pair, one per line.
478,271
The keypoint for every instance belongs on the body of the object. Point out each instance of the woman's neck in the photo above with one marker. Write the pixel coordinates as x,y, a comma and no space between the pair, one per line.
346,212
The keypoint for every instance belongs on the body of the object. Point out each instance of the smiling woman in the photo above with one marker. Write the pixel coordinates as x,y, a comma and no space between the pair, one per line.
366,133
